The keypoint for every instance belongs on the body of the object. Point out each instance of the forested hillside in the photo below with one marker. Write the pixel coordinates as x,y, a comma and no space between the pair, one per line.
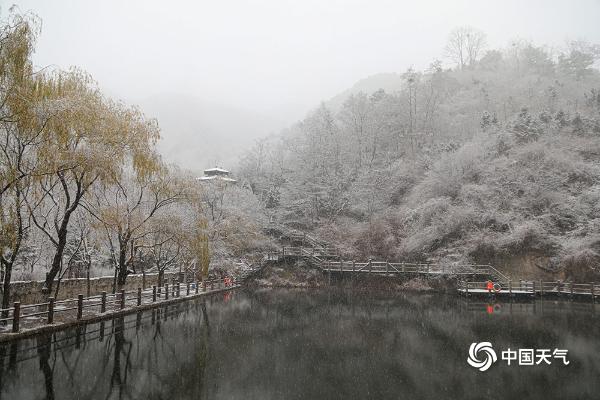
494,160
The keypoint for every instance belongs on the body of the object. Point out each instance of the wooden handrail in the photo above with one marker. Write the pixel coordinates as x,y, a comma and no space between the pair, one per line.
82,302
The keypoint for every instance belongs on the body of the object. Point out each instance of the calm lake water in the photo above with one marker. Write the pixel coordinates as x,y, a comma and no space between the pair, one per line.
326,344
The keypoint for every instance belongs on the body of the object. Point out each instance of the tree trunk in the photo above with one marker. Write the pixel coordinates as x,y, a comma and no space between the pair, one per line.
87,277
59,280
161,277
6,288
58,255
122,275
114,285
143,277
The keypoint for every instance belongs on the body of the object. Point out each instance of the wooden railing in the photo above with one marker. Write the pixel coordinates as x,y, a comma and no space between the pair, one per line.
320,252
116,301
384,267
533,288
307,240
324,256
291,251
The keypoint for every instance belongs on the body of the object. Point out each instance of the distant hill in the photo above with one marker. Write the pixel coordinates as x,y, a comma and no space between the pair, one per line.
390,82
197,134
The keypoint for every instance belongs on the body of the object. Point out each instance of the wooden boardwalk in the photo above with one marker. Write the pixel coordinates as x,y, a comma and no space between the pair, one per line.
529,289
62,313
473,278
330,262
324,256
429,269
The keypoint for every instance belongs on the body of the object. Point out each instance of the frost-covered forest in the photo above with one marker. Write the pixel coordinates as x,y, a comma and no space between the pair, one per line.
493,160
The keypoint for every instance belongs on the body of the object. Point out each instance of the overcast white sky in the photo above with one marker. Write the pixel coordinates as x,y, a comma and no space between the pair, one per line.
278,56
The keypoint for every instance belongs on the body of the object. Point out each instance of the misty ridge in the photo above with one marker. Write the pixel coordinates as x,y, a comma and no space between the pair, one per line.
189,124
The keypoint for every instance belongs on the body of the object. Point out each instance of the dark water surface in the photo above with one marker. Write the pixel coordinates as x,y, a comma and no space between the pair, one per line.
328,344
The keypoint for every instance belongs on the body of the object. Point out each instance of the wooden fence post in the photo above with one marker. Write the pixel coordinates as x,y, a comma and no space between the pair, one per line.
16,316
541,288
139,297
122,299
103,303
510,288
571,289
592,290
353,267
196,286
212,285
154,293
187,288
370,266
178,289
79,306
203,285
533,288
387,265
166,291
50,310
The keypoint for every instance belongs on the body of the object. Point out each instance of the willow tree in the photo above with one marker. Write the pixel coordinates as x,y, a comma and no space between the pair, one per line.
163,243
203,249
90,138
197,246
125,206
178,236
24,95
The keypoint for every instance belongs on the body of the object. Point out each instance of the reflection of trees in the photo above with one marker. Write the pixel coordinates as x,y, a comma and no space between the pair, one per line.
72,366
202,357
183,356
112,360
123,347
44,344
2,357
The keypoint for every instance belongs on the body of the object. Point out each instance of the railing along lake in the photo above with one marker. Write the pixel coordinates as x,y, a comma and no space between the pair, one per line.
97,305
529,288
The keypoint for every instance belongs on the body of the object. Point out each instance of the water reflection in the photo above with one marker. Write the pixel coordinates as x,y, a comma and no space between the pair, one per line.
286,344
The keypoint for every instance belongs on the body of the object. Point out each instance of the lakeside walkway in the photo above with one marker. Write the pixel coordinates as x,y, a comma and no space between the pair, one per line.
473,279
529,288
25,320
323,256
